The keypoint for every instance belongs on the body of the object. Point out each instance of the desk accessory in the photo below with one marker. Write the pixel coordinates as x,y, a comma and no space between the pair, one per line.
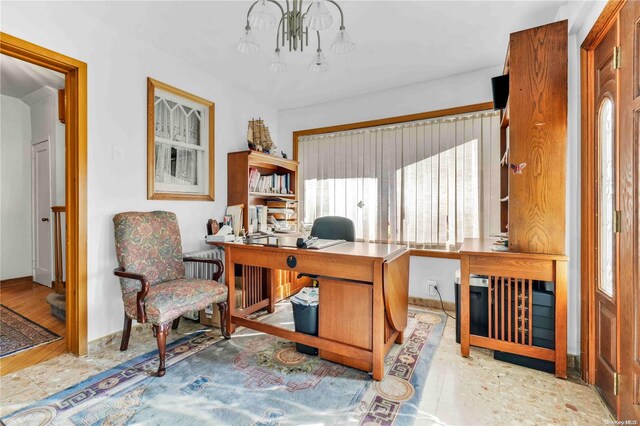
224,235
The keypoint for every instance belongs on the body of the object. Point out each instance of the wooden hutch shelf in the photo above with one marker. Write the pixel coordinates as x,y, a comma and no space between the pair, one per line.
253,281
533,131
239,165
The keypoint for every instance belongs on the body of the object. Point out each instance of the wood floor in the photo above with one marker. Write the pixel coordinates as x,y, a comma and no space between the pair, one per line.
29,299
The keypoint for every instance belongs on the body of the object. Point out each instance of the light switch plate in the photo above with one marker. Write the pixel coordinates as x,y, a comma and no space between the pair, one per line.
116,154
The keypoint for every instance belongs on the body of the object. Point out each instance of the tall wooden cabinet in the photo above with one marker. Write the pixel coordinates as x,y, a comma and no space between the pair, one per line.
535,123
527,292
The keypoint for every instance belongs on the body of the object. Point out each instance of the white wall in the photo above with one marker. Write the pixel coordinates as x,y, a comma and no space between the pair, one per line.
582,15
45,124
15,188
440,270
118,66
457,90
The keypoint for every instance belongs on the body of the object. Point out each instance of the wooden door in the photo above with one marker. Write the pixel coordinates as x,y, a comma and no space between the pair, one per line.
607,241
41,212
629,172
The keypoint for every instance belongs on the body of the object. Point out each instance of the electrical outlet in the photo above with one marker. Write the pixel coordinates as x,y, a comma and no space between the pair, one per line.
431,287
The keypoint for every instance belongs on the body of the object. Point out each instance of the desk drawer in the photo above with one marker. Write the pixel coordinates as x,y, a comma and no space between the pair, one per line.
307,261
533,269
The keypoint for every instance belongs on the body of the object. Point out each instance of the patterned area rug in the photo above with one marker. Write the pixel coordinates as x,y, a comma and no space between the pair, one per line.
252,379
18,333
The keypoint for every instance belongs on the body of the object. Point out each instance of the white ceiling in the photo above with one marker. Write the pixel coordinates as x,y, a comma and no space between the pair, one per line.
19,78
398,42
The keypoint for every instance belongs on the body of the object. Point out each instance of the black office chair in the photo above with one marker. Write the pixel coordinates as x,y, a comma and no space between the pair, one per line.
333,228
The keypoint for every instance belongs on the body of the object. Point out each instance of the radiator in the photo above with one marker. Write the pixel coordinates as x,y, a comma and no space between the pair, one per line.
203,271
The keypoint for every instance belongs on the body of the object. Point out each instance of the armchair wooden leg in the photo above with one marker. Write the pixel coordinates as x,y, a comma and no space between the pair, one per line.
222,307
126,333
176,323
161,331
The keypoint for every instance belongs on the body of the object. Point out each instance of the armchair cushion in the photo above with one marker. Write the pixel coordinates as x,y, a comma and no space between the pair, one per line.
148,243
168,300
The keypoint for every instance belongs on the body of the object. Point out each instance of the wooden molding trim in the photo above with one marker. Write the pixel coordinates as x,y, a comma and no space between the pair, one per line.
61,107
441,254
151,167
28,279
76,177
387,121
432,303
602,25
588,208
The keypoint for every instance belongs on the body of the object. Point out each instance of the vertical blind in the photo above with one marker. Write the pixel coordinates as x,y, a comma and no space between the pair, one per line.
428,184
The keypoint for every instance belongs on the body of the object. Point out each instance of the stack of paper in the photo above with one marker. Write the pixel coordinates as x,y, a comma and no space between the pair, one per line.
502,243
308,296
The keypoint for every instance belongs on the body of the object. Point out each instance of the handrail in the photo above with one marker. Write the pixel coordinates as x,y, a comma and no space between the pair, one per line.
58,283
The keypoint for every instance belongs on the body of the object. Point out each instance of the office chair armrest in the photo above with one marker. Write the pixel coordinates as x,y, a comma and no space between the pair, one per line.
218,263
141,317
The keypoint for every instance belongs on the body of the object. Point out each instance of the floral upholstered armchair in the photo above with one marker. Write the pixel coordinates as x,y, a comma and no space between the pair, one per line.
152,277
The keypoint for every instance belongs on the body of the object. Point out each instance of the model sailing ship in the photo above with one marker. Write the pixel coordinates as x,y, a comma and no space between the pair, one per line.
259,138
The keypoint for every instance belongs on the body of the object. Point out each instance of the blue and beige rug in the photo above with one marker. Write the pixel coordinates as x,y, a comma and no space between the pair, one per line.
252,379
18,333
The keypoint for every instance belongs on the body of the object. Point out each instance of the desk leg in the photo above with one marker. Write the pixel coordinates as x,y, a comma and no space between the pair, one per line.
271,290
561,319
378,324
230,281
464,306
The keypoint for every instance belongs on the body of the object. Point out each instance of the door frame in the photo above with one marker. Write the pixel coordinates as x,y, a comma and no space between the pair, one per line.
589,205
34,215
75,72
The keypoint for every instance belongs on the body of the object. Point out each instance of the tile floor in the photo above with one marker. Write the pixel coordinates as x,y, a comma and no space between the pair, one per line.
459,391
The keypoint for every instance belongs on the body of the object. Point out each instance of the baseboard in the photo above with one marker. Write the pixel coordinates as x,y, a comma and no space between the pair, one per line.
19,280
573,362
432,303
102,342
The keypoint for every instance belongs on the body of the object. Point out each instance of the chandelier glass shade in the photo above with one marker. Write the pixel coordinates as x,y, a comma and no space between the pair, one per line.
319,62
262,18
277,64
318,17
248,43
342,45
297,18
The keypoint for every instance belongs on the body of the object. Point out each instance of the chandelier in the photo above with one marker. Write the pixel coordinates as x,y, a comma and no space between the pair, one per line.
297,19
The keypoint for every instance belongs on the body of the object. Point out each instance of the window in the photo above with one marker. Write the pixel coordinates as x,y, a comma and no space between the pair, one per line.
428,184
181,144
606,198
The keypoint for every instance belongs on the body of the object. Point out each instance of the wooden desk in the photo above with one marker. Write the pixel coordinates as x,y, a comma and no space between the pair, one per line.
510,279
343,270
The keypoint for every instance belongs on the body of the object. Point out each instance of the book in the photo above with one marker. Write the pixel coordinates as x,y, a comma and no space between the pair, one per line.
220,238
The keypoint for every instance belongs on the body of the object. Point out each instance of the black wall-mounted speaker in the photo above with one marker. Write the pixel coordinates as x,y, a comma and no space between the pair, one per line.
500,88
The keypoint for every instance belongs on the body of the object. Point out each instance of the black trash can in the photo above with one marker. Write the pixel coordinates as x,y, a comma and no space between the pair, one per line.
305,320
